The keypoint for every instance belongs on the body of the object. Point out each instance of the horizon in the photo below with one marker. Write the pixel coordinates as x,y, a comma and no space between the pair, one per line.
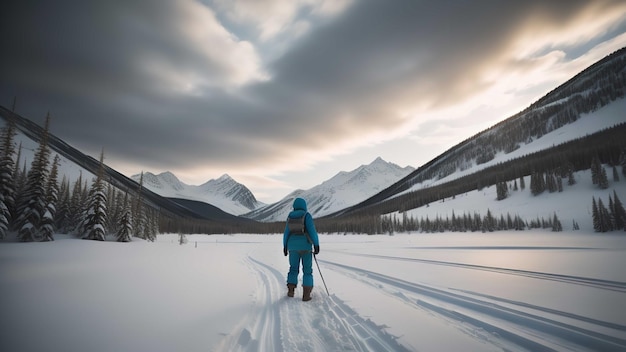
283,95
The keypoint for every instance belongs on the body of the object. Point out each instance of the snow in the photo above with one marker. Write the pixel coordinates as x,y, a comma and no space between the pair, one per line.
603,118
430,292
573,204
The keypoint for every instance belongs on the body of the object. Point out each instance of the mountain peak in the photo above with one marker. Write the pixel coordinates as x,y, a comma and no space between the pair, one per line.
378,160
225,177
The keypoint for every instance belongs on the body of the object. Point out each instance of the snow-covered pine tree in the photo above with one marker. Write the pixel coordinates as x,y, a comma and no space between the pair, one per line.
7,183
33,205
113,210
76,207
125,226
139,216
94,225
61,220
52,197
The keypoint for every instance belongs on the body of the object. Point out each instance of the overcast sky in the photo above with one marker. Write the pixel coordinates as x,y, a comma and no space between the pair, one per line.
284,94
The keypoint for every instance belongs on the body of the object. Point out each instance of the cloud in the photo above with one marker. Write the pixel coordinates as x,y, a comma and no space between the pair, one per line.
168,85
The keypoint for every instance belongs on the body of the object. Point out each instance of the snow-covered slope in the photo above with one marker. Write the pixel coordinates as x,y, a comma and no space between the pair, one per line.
224,192
601,119
342,190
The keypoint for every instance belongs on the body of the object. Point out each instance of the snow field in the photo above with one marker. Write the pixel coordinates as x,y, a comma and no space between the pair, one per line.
515,291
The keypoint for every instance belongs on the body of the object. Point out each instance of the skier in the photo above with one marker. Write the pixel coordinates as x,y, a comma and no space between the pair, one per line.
299,236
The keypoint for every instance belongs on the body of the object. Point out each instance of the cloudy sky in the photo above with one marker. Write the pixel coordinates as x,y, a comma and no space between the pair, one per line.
284,94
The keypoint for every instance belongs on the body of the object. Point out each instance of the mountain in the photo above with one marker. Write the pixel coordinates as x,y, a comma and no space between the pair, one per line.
224,192
340,191
75,163
582,118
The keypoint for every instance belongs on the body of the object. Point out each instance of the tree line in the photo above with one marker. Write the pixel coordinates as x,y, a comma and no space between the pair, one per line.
34,204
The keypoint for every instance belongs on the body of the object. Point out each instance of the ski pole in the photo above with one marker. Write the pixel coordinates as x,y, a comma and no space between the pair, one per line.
322,276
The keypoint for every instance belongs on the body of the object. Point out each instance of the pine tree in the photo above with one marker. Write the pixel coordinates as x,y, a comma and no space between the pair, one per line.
125,228
604,217
615,174
34,204
7,184
603,180
522,183
595,170
619,213
63,206
95,222
76,207
556,224
571,180
138,212
489,223
502,190
52,197
595,215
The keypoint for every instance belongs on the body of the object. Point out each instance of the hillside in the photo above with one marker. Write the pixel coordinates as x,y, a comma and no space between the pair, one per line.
591,102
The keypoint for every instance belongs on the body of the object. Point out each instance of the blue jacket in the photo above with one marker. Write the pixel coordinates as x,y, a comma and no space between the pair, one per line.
300,242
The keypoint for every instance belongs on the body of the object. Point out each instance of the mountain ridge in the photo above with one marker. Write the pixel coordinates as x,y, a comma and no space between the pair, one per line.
223,192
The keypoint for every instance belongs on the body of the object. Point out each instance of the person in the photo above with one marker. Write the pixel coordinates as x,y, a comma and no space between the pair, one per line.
299,238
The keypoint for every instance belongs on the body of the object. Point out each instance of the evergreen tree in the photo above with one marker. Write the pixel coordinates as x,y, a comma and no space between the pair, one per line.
595,215
603,180
537,183
7,183
125,228
571,180
619,213
522,183
615,174
52,197
76,207
489,223
556,224
138,212
595,170
502,190
34,203
95,222
604,217
63,206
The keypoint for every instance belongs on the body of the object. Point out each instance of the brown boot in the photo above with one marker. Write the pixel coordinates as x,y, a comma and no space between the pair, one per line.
306,293
290,289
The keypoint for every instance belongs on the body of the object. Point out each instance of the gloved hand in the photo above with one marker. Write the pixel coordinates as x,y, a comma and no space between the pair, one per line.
285,251
316,249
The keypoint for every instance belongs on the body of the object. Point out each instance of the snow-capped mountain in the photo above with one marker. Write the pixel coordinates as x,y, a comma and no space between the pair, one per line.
342,190
224,192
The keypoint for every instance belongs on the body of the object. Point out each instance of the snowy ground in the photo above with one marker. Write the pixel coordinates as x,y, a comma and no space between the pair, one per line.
511,291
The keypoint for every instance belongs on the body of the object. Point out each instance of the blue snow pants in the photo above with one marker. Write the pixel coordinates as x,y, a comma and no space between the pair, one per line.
295,257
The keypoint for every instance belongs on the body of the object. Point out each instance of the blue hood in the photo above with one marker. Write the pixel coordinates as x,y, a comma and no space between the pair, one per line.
299,204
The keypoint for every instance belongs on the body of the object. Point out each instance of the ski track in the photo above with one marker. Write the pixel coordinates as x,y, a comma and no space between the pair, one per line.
281,323
502,322
578,280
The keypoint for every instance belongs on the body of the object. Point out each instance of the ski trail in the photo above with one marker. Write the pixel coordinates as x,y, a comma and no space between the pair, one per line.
578,280
281,323
527,326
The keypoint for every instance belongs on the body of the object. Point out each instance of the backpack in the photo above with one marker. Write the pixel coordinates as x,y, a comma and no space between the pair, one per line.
297,226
